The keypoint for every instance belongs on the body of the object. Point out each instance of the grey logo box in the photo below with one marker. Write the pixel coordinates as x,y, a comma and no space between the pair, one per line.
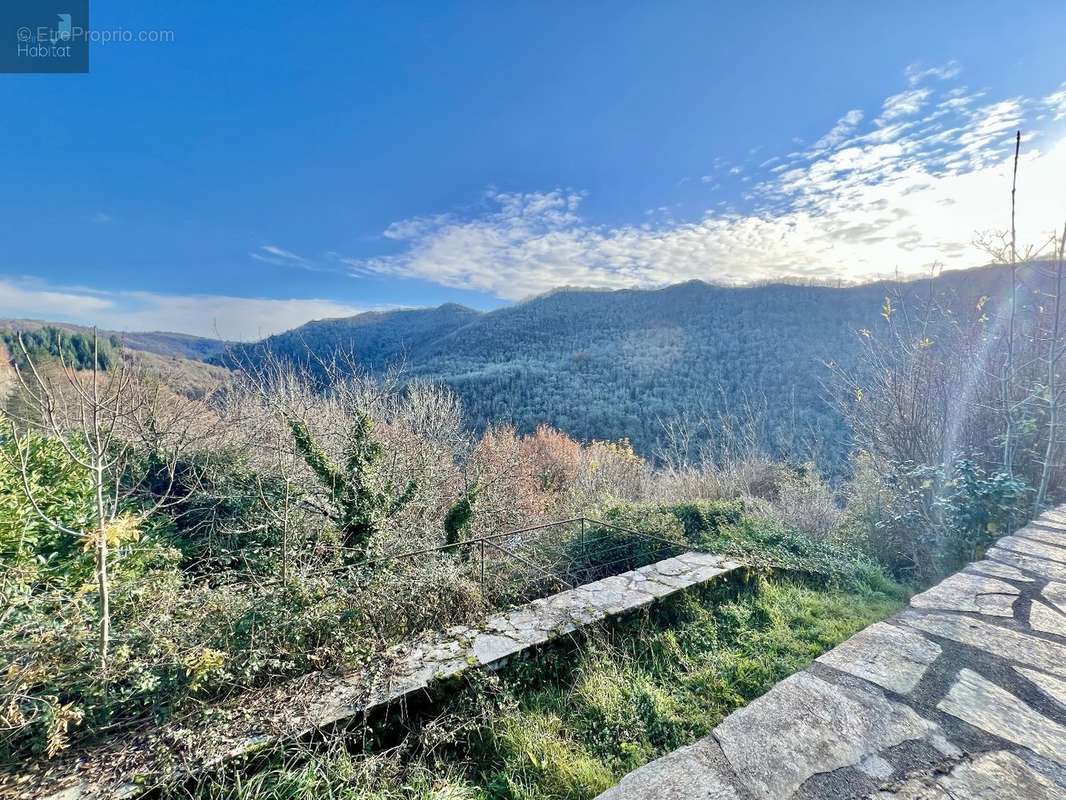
44,36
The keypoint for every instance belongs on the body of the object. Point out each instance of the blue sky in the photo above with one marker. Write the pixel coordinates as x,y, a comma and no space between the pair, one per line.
281,162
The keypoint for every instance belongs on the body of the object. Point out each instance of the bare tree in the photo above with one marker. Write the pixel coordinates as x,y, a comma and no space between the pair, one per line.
101,418
1008,366
1055,353
281,510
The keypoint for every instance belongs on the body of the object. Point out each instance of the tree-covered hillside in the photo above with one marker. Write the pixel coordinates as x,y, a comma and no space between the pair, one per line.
377,339
75,350
618,364
182,345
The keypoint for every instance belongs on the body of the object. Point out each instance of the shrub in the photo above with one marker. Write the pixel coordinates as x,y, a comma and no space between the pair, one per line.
922,522
706,516
457,520
33,552
361,497
215,505
805,502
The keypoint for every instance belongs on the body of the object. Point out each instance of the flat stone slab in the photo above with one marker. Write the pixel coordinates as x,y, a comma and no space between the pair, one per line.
1055,593
893,658
1054,688
411,670
1047,619
999,775
997,641
1052,537
965,591
688,773
805,726
1040,567
961,696
988,567
981,703
1031,547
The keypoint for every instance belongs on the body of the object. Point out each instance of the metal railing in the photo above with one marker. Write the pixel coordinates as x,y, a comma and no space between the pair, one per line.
527,562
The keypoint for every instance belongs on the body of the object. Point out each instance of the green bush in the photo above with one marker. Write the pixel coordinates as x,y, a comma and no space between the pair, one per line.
48,643
704,517
361,497
923,522
723,527
215,506
35,554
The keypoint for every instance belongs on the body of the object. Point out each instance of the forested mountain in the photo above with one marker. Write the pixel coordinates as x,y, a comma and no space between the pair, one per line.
378,339
161,343
76,350
617,364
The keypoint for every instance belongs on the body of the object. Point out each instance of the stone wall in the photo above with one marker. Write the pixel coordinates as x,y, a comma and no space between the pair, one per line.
961,695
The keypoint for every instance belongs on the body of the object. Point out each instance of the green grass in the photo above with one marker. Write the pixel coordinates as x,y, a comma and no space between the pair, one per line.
568,725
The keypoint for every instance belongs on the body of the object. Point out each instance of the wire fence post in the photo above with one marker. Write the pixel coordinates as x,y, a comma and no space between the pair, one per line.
482,569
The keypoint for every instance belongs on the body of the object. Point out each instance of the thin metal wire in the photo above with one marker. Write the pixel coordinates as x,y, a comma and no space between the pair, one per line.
645,534
522,560
556,554
491,537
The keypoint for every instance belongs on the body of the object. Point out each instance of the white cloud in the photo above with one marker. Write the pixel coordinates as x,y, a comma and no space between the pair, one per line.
910,189
279,256
916,74
36,300
236,318
904,104
839,132
1056,103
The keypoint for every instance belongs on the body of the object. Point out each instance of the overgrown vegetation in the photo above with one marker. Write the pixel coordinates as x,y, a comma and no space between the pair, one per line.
236,527
570,727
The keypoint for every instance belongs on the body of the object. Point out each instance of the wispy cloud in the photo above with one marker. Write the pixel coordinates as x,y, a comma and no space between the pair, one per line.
916,73
844,127
1056,103
279,256
236,318
903,104
906,190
